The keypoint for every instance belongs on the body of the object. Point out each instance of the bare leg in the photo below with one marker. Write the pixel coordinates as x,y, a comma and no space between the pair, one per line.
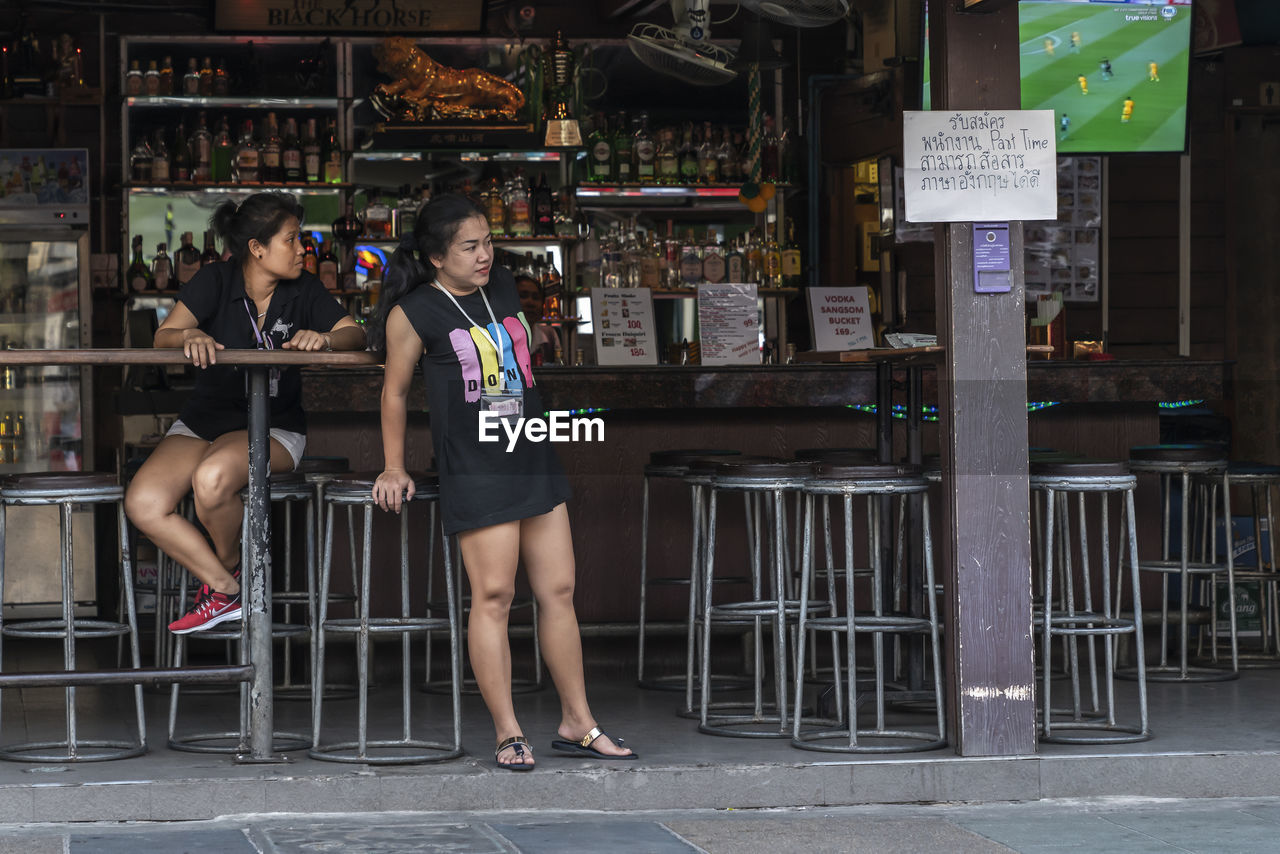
490,555
547,549
152,500
217,481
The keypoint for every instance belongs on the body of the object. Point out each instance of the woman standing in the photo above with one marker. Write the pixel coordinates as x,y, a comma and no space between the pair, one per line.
445,303
259,298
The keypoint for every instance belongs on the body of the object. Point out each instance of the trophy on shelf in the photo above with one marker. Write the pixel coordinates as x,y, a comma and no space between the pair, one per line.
423,90
560,74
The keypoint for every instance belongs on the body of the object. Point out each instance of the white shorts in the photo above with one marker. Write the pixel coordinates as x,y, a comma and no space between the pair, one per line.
294,443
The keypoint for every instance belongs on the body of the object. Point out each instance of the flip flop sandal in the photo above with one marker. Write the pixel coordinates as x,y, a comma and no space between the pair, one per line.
518,745
584,748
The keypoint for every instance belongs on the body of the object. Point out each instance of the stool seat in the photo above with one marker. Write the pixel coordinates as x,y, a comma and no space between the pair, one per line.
762,467
360,486
288,480
322,465
866,471
1177,454
1078,468
1249,472
682,456
57,483
836,454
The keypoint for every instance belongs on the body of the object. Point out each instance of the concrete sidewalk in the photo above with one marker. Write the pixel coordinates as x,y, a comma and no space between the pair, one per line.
1047,827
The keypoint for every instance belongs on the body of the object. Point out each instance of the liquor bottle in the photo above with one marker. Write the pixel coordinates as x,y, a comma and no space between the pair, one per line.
611,260
600,168
311,153
133,82
138,276
377,218
201,151
161,268
6,79
180,165
140,162
544,221
735,263
726,159
310,257
406,210
688,157
206,78
708,164
346,231
271,170
332,155
772,261
247,164
151,80
160,160
291,153
166,76
769,151
188,259
690,261
713,262
328,266
645,152
650,273
671,255
553,292
495,208
788,154
623,140
791,266
517,201
668,160
223,156
221,80
755,259
191,80
210,254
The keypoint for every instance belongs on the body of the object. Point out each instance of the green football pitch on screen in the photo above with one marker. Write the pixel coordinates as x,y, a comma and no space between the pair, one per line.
1125,52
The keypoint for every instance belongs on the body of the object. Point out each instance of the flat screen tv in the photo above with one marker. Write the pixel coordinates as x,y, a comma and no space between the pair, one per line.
1114,72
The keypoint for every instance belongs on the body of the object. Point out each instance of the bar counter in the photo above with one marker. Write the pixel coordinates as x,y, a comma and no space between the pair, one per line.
803,386
1108,407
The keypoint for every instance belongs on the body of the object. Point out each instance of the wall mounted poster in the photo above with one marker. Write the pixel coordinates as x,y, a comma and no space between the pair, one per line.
1064,254
623,323
729,324
969,166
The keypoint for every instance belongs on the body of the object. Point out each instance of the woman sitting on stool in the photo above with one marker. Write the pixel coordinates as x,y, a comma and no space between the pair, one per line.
260,298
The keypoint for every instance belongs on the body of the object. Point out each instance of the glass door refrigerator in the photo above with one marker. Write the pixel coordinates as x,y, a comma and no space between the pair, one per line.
45,412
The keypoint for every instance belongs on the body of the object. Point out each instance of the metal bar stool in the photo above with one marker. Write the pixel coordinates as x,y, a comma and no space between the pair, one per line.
667,465
66,490
289,489
1088,612
1209,466
769,480
352,491
874,482
1260,479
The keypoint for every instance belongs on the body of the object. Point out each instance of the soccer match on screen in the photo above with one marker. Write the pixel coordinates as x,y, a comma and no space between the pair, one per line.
1114,72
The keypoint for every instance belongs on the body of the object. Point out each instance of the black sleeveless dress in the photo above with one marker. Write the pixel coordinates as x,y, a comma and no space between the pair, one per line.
482,483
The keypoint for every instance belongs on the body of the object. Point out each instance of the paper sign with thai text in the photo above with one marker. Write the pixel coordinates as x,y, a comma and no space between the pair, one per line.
623,323
963,166
841,318
729,324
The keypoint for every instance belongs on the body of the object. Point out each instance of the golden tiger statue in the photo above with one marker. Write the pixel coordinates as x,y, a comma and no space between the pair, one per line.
423,89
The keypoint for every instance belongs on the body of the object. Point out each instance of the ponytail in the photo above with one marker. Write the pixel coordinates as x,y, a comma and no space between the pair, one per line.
403,273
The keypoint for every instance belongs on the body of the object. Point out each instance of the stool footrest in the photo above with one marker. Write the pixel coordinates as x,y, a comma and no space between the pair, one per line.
57,629
389,625
871,623
141,676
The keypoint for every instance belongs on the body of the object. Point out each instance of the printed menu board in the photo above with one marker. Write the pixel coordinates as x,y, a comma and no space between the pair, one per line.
841,318
729,324
623,323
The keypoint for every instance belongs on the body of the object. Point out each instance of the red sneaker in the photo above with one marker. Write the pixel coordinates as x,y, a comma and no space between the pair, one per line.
210,609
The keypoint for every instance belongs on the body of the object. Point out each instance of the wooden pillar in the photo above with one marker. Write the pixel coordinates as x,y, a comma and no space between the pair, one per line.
982,395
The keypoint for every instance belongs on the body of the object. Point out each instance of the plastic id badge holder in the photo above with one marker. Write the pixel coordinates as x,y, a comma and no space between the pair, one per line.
507,404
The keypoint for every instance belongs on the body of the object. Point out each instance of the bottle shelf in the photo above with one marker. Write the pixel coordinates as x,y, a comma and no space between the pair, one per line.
315,189
497,241
245,102
465,156
638,196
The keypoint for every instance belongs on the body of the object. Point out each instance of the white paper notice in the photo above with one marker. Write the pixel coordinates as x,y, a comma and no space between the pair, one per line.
841,318
964,166
729,322
623,322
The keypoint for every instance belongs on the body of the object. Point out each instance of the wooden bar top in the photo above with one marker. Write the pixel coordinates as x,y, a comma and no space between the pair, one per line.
174,356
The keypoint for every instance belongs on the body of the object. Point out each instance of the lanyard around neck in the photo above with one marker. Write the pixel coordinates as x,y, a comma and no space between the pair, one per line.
264,340
496,346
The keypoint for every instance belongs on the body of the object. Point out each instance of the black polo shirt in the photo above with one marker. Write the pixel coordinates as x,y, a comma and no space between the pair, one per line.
216,296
